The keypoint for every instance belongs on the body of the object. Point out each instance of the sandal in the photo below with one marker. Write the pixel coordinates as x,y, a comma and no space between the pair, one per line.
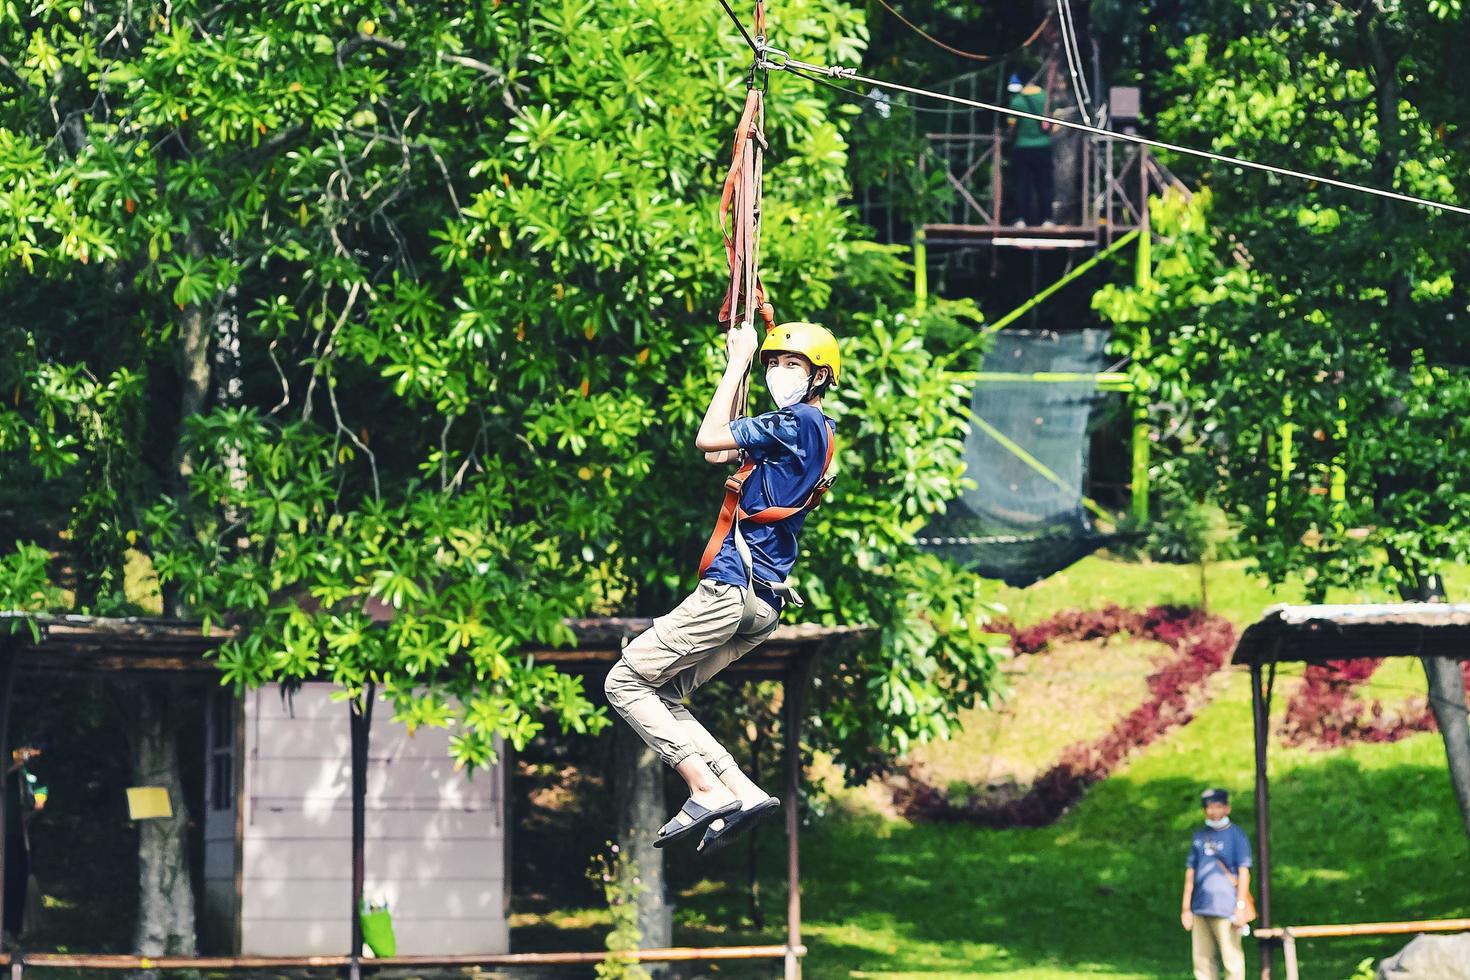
700,818
735,826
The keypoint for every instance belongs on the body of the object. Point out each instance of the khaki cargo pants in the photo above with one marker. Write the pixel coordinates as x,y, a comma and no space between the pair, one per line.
674,657
1215,936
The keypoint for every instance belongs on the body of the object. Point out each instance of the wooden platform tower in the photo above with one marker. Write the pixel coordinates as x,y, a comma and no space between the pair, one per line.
1103,184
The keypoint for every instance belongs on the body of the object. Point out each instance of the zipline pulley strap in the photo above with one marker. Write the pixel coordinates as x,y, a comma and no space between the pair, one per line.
740,207
731,512
740,202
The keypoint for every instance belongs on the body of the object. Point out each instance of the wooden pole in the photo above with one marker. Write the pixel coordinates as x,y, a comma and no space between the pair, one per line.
795,696
7,689
1341,929
921,271
1260,711
1141,384
1288,947
361,716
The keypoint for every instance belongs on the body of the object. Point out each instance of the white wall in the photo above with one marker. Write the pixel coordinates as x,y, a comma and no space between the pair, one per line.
435,837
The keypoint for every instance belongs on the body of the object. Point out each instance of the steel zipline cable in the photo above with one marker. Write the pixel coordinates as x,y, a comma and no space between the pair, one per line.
743,32
771,59
881,103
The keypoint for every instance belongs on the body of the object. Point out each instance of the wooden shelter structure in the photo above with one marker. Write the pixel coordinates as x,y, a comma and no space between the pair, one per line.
139,647
1314,635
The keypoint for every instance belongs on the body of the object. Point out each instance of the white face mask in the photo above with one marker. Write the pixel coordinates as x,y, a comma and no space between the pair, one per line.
1220,824
787,385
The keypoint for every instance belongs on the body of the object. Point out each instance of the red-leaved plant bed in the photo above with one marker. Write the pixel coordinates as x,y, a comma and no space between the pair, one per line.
1201,644
1326,711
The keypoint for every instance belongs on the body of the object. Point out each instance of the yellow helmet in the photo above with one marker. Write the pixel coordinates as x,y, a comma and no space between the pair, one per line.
811,340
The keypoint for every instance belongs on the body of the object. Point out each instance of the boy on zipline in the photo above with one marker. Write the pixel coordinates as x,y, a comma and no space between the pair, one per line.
738,601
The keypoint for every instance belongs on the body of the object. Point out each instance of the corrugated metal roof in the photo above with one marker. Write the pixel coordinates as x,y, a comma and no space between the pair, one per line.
1296,634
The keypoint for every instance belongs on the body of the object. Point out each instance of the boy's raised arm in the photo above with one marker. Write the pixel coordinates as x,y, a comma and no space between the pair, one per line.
714,435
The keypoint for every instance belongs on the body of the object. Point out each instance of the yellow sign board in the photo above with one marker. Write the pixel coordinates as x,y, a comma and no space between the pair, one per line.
149,803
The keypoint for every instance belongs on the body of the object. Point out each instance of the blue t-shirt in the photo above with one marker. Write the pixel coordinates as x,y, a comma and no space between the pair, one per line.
1213,892
789,449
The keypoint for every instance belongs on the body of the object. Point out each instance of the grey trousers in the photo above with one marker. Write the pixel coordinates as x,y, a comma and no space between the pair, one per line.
674,657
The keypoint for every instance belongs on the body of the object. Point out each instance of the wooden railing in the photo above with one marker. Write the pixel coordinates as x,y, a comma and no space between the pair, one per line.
1288,935
19,961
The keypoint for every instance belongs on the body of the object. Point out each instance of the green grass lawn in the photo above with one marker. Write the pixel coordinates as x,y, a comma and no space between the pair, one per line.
1233,590
1361,834
1368,833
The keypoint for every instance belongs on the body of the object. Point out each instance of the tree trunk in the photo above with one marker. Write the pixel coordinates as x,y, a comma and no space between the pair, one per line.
1447,701
1446,683
151,708
165,889
194,373
638,778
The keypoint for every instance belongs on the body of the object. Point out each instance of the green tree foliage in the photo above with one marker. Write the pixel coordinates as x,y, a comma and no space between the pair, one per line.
1311,367
1289,307
455,270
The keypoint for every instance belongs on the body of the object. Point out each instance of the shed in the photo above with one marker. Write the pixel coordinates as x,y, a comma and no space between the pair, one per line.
298,798
278,831
1316,634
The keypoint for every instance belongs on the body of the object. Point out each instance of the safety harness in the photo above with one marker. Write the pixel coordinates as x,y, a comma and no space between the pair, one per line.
731,517
740,219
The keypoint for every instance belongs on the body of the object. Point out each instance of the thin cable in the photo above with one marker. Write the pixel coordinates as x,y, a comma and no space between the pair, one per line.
956,51
788,64
1076,47
1369,682
875,100
743,32
1074,61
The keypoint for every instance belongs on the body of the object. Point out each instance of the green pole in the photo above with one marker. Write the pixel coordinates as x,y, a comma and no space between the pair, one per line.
1141,384
921,271
1285,460
1338,493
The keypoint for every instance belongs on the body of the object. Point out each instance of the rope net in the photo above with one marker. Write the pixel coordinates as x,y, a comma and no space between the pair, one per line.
1027,456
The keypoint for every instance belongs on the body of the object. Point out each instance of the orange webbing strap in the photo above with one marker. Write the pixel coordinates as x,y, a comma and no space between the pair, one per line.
740,218
730,508
773,514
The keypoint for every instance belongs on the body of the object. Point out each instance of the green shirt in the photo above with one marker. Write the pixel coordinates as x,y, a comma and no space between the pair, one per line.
1028,131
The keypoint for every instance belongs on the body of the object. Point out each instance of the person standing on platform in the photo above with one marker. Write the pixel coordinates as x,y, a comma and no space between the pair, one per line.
1217,881
1031,162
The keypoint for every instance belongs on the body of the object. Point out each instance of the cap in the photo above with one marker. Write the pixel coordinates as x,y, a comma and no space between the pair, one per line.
1214,796
1015,83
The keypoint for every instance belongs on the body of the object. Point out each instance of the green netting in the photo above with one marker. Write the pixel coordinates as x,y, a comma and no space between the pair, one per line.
1024,518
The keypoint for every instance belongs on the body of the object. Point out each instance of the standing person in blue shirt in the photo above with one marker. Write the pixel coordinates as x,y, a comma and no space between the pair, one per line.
1217,884
742,584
